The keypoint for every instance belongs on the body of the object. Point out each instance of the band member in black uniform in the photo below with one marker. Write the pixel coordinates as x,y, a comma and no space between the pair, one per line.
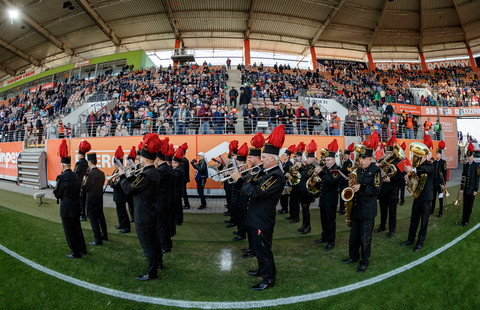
347,165
254,159
178,185
401,189
93,186
471,172
264,197
306,198
165,186
68,191
328,191
201,175
388,197
80,169
119,196
233,148
132,156
287,164
144,191
364,210
439,179
172,228
294,181
186,168
421,206
239,201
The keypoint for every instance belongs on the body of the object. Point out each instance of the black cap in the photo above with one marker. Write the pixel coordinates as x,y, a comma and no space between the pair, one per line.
366,152
330,154
298,154
270,149
66,160
92,156
161,156
388,148
120,160
146,154
256,152
310,155
469,153
347,152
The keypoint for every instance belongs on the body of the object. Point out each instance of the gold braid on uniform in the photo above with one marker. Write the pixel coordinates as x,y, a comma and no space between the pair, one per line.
137,181
268,183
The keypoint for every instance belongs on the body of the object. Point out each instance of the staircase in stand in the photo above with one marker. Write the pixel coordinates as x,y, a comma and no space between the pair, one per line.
32,168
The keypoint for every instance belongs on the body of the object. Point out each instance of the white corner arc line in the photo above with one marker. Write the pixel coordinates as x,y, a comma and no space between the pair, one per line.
236,304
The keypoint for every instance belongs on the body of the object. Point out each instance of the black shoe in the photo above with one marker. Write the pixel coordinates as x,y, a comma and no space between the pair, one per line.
301,227
186,208
402,203
238,238
245,250
417,248
294,221
83,219
254,273
306,230
263,286
329,246
117,227
160,266
146,277
230,225
248,255
289,218
465,224
349,261
320,241
95,243
227,221
379,229
408,242
390,235
362,269
235,232
71,255
201,207
439,215
124,231
166,250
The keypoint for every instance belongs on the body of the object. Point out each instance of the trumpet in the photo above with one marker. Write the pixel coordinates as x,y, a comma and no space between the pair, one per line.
253,171
222,172
134,172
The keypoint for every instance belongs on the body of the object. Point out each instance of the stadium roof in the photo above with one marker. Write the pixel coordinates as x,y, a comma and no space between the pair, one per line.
47,34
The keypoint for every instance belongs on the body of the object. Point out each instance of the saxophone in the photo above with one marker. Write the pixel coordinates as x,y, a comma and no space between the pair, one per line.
416,182
348,193
315,178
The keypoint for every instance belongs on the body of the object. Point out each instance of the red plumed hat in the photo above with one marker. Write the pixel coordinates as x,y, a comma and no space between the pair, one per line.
382,146
165,146
470,149
300,149
441,145
428,141
351,147
404,146
84,147
179,154
133,153
242,152
257,141
372,142
233,147
312,147
184,147
140,146
333,146
119,153
275,141
290,150
152,145
63,149
171,151
392,140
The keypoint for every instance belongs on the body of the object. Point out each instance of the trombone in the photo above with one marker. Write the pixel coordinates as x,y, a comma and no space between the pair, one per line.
135,172
253,171
222,172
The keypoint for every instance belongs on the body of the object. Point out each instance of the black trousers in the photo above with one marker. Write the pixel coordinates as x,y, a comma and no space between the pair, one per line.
97,220
388,208
306,214
178,211
436,192
327,218
186,203
83,202
402,190
360,242
163,229
420,214
284,202
341,208
200,188
295,204
123,220
250,233
130,207
73,235
151,246
172,228
467,207
262,244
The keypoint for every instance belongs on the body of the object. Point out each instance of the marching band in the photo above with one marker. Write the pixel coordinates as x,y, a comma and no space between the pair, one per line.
255,180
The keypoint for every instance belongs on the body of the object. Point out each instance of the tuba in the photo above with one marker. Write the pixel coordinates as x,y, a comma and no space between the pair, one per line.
348,193
386,163
416,183
295,175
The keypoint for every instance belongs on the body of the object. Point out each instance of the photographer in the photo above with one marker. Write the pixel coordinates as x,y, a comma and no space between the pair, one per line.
200,177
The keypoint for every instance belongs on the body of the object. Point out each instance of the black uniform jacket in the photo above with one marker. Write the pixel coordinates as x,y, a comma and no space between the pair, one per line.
365,200
472,173
186,168
178,183
118,195
264,197
329,186
390,189
164,186
68,191
306,172
144,190
426,168
346,168
94,188
81,168
439,172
